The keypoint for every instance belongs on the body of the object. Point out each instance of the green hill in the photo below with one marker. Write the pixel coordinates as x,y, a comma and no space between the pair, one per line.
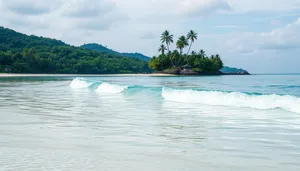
100,48
20,53
229,70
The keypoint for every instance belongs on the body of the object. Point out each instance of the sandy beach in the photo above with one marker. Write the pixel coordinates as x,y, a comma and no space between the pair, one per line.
5,75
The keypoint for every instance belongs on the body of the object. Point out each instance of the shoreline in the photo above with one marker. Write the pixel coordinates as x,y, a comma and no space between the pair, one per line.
12,75
8,75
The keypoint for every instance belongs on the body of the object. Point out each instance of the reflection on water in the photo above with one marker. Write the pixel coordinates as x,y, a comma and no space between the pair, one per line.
47,125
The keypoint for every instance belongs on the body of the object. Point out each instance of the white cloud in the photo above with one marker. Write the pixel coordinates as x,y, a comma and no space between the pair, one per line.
278,39
171,8
31,7
263,5
100,23
92,15
88,8
202,7
28,15
258,52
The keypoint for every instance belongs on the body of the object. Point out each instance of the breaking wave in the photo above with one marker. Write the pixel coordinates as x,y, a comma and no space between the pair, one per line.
110,88
233,99
206,97
79,83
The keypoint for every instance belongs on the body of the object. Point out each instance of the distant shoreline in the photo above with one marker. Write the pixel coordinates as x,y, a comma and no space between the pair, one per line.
8,75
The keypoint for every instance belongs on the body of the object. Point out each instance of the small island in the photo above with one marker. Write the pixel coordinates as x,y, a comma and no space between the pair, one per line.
178,62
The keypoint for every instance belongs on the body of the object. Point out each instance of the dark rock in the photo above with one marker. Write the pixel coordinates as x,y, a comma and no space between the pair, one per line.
237,73
188,72
174,71
211,73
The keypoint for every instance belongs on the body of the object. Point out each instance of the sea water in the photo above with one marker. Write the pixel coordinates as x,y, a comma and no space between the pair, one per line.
226,123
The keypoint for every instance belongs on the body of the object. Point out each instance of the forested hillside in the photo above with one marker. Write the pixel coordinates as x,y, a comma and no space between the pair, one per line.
20,53
100,48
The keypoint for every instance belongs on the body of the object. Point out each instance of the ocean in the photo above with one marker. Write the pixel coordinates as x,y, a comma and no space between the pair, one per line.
212,123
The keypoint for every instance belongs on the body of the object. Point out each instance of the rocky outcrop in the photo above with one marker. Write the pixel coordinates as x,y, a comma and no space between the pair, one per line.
211,73
238,73
173,71
190,72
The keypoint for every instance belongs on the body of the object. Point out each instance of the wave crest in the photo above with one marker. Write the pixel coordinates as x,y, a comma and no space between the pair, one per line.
234,99
110,88
79,83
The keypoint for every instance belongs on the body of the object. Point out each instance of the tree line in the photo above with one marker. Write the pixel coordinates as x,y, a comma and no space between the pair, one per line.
20,53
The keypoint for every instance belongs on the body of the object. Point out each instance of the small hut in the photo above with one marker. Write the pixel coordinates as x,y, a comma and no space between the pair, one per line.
187,70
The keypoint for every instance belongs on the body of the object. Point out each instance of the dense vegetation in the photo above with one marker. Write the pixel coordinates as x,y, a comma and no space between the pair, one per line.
20,53
100,48
199,62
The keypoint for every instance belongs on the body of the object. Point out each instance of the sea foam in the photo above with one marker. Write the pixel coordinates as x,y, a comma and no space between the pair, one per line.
234,99
110,88
79,83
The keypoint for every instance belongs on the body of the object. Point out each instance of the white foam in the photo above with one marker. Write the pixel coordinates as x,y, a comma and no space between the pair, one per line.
110,88
79,83
234,99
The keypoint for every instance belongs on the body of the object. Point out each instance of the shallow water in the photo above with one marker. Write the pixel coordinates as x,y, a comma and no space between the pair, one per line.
150,123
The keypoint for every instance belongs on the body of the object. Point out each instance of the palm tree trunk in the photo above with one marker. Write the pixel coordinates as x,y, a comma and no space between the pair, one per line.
168,47
170,57
189,48
172,62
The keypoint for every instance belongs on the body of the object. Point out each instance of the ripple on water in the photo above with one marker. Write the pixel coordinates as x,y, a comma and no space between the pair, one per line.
48,125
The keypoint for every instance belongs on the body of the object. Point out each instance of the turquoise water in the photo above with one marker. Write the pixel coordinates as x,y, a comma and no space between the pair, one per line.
150,123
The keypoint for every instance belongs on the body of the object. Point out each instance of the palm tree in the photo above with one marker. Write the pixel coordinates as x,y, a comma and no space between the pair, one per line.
169,55
192,36
175,56
182,43
202,53
167,38
218,61
191,57
162,49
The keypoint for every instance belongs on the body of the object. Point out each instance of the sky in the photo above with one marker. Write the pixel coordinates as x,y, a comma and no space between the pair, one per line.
261,36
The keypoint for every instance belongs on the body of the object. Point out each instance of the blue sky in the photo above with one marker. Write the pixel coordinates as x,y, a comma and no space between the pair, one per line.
262,36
